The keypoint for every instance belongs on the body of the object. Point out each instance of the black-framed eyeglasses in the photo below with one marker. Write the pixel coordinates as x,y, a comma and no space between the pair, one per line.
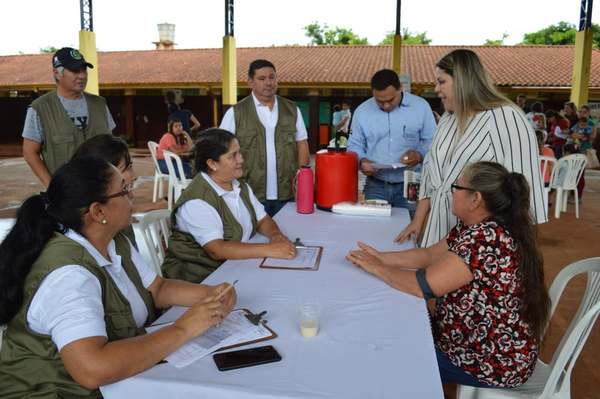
454,187
126,191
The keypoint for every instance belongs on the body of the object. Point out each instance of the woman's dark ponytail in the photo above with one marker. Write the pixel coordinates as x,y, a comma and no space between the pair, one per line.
21,247
507,198
72,189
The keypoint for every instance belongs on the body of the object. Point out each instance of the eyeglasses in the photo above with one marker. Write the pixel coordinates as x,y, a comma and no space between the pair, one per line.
126,190
454,187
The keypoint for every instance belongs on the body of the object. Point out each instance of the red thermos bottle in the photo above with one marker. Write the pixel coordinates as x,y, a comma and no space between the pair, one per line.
305,190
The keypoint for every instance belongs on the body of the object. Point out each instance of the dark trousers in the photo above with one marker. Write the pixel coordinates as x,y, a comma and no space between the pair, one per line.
273,206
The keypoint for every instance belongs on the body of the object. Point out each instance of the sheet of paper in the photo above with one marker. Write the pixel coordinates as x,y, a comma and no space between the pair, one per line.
235,329
306,257
396,165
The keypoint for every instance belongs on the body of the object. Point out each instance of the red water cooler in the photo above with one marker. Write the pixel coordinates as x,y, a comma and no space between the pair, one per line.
336,177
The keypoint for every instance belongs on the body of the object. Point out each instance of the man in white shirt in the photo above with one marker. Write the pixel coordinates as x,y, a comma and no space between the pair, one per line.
272,136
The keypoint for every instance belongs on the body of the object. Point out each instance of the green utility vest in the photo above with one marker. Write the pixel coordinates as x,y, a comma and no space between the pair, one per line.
185,258
61,136
251,134
30,364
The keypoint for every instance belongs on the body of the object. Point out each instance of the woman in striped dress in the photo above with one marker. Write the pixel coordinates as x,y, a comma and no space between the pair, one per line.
479,124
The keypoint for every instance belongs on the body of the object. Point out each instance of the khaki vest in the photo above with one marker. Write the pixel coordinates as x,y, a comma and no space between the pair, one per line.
251,134
61,136
185,258
30,365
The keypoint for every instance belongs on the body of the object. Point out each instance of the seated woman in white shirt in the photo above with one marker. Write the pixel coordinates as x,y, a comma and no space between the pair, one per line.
216,214
76,295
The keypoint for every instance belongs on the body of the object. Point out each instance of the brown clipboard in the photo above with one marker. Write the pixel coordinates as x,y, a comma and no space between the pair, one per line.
272,336
314,268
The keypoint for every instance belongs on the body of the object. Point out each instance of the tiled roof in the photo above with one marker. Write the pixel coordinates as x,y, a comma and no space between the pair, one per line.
348,66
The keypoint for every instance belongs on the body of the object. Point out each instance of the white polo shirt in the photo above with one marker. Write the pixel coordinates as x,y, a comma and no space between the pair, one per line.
268,118
204,223
68,304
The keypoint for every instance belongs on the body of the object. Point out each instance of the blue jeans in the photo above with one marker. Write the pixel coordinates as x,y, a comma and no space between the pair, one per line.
273,206
187,168
391,192
451,374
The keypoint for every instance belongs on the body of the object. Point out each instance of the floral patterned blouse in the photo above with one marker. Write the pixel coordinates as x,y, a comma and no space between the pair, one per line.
479,326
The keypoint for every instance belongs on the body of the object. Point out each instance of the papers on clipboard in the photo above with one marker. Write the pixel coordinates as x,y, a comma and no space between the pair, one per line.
235,330
307,258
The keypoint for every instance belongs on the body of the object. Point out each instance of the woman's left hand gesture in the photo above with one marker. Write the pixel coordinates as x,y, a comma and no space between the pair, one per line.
367,258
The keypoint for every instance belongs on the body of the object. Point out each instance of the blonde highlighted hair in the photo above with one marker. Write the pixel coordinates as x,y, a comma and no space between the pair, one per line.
473,89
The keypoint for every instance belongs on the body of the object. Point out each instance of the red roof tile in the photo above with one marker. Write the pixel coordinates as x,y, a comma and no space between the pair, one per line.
349,66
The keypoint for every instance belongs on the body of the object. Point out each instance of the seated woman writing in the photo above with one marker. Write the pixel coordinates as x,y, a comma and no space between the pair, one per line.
217,214
487,274
76,295
175,140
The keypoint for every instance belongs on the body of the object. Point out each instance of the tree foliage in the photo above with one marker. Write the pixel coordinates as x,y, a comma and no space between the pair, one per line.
48,50
560,33
496,42
408,37
323,35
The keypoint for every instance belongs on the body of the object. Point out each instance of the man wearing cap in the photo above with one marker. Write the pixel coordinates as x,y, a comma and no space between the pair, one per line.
59,121
272,136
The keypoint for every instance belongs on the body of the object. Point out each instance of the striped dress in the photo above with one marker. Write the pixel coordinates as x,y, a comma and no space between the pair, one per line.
501,135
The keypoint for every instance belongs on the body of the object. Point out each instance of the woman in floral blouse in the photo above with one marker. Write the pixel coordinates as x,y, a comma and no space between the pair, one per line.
487,276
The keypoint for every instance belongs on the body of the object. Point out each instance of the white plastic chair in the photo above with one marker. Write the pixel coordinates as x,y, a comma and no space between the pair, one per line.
156,230
159,176
553,380
176,184
565,177
410,176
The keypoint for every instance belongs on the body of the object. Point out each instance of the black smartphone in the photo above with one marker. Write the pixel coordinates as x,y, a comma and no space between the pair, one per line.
246,358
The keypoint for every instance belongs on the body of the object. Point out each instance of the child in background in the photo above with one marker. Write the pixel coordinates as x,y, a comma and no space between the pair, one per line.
545,150
581,133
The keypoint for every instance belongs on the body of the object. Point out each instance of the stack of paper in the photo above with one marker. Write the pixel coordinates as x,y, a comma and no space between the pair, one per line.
366,208
235,329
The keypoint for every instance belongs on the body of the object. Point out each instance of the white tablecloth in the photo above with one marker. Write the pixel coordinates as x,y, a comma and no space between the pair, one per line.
374,342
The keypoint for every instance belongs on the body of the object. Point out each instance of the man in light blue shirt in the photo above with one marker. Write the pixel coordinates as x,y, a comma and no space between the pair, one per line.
391,127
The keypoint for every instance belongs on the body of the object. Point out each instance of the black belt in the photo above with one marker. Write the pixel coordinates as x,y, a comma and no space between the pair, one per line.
386,182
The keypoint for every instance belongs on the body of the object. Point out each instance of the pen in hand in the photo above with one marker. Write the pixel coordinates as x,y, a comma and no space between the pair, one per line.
225,291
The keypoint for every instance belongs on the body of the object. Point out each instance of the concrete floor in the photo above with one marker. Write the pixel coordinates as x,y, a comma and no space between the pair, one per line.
562,241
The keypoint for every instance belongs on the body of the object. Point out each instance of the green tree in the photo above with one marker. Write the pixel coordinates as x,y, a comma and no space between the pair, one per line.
407,37
323,35
49,49
560,33
496,42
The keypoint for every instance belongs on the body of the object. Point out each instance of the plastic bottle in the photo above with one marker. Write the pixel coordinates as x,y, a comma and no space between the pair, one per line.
305,189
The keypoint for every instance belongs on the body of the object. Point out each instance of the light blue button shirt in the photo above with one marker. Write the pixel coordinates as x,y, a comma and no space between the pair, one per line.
383,137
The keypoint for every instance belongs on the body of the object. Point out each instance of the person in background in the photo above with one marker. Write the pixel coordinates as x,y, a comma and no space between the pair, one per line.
272,136
536,116
76,295
570,113
217,214
487,277
558,131
175,140
547,152
189,122
479,125
522,103
59,121
389,128
581,134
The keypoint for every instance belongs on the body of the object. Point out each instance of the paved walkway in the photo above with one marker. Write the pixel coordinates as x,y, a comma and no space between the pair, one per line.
562,241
